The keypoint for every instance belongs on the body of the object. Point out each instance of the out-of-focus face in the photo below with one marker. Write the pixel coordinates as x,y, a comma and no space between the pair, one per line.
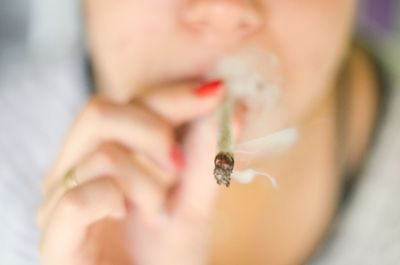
140,43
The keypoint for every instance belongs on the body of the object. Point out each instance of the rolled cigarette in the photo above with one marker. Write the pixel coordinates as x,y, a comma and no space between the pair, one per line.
224,160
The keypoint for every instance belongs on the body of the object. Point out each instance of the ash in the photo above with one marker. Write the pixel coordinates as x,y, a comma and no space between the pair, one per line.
224,163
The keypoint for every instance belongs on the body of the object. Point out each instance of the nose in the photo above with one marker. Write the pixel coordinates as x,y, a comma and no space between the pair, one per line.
223,18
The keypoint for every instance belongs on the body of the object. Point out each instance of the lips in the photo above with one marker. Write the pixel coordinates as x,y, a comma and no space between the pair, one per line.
198,71
193,64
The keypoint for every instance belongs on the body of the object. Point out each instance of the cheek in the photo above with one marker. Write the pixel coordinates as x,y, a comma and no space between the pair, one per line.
311,39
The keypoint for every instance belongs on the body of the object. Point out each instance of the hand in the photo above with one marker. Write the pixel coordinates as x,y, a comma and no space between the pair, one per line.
135,203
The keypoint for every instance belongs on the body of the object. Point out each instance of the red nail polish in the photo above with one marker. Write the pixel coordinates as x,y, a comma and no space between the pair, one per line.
177,157
209,88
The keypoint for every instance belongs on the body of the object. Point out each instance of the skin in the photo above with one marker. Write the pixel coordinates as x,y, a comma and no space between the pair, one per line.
134,204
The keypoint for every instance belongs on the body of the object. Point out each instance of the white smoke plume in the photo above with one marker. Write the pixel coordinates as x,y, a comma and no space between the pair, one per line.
253,77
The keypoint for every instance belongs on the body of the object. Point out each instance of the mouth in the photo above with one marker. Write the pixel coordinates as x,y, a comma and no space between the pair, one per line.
245,73
196,66
197,74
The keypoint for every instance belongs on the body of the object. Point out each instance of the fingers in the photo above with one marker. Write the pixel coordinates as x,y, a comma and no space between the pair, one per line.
144,128
114,160
180,104
132,126
142,182
198,189
146,125
73,215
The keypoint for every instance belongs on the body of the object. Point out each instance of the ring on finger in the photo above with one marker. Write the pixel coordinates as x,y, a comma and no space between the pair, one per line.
70,181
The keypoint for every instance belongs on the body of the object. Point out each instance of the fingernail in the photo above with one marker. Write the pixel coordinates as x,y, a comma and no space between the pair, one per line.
177,157
209,88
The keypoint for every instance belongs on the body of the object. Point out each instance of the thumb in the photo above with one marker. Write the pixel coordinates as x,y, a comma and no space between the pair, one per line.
198,189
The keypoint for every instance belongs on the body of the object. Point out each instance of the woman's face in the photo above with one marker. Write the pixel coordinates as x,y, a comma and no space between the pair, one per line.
140,43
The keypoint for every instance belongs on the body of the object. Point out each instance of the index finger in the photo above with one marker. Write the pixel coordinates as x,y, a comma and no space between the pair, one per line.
185,102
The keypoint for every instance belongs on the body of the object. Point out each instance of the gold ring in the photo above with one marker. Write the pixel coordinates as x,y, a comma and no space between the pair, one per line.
69,180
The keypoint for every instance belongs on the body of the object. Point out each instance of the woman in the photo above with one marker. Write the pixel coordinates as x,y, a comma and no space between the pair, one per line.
133,182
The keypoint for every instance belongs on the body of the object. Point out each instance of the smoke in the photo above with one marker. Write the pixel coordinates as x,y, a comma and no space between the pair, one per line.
253,77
